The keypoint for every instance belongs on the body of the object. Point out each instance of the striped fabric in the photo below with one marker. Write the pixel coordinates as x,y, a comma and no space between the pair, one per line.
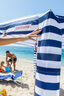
35,60
49,48
49,55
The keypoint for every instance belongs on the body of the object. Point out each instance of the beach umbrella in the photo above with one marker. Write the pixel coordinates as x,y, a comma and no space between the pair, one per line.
47,80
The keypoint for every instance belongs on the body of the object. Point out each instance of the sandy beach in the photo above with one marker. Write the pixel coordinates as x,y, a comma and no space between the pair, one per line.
27,87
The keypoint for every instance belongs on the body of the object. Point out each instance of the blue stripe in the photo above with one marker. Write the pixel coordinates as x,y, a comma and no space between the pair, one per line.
48,70
50,14
0,33
53,16
36,94
48,73
47,86
34,52
3,28
44,17
62,31
59,19
49,42
18,32
47,56
51,29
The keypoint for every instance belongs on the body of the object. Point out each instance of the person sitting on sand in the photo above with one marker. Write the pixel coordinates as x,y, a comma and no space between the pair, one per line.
12,59
5,68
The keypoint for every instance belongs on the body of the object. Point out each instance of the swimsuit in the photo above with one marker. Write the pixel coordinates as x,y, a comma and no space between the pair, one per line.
15,59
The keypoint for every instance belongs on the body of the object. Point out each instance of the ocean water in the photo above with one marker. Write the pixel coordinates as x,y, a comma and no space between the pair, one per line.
23,52
62,58
19,51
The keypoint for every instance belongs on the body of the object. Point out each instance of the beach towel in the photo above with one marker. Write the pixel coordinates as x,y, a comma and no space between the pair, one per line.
12,76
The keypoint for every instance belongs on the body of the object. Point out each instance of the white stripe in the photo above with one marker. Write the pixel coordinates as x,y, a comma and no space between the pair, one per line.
62,35
35,54
50,35
52,50
51,22
47,78
42,92
31,27
48,64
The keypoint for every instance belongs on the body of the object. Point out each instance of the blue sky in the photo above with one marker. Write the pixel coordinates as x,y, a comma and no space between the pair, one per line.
12,9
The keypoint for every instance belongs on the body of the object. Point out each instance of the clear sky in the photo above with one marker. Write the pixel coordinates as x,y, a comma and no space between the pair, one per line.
13,9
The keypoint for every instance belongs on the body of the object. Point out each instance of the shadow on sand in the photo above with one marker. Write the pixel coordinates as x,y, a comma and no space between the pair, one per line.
61,92
14,84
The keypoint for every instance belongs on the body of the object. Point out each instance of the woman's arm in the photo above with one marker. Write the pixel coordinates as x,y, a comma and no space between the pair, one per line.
5,41
0,67
10,40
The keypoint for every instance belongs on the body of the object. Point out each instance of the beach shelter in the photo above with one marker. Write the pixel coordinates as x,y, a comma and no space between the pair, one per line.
47,81
35,58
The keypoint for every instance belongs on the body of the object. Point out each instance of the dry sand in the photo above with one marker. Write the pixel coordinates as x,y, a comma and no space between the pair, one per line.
27,87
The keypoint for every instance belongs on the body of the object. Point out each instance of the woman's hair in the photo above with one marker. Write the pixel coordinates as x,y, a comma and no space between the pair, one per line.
2,62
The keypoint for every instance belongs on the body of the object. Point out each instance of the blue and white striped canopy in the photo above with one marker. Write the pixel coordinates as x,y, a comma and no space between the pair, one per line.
47,81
